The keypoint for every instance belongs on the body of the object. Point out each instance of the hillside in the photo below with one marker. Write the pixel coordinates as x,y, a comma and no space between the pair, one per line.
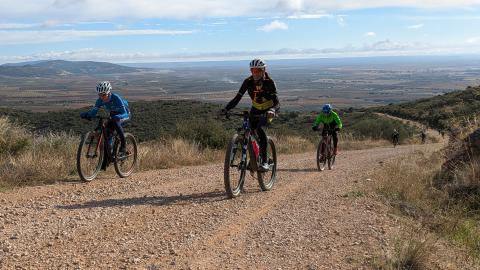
159,119
60,68
440,112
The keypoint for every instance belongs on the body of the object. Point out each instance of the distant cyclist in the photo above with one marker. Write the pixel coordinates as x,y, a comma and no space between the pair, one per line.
330,120
118,108
395,137
423,136
263,92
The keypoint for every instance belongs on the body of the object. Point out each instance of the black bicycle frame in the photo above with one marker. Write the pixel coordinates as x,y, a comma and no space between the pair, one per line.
328,137
102,127
248,136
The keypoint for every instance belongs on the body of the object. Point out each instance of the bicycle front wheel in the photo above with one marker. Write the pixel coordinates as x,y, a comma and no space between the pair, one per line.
90,156
266,180
330,154
125,165
321,156
234,169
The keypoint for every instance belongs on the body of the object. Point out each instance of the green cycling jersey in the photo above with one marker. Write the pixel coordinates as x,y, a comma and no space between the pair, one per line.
328,119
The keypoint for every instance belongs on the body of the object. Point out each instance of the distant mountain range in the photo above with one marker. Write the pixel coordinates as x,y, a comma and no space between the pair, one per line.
62,68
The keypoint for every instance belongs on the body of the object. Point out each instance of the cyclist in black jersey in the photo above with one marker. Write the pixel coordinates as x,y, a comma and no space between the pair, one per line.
263,92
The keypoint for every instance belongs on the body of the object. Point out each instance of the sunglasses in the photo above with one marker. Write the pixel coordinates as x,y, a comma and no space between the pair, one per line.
256,70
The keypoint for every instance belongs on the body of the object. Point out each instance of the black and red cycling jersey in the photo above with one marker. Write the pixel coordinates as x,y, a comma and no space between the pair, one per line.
263,94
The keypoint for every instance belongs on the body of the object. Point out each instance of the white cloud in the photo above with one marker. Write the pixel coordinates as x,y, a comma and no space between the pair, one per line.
49,36
473,40
6,26
81,10
307,16
416,26
341,20
370,34
275,25
381,48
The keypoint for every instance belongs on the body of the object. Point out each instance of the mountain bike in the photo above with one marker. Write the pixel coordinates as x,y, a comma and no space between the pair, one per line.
325,153
97,149
243,155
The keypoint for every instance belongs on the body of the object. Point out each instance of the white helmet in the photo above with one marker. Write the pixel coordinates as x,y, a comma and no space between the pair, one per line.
104,88
257,63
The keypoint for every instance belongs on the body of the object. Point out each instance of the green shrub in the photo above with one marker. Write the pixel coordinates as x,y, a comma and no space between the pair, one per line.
207,132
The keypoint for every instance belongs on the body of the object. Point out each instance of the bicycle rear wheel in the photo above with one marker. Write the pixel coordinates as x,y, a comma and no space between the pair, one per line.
90,155
234,169
124,166
321,156
266,180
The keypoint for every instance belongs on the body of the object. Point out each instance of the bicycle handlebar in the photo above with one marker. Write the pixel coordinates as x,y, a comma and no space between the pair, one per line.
243,114
98,117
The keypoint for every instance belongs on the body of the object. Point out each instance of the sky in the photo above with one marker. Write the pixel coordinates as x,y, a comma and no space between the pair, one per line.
129,31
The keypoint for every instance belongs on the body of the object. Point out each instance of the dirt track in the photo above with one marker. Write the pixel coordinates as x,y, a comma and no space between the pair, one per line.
180,218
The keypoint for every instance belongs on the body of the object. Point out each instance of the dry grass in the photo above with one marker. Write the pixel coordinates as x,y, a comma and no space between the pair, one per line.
293,144
297,144
408,180
410,252
175,153
13,139
31,160
452,209
28,159
348,142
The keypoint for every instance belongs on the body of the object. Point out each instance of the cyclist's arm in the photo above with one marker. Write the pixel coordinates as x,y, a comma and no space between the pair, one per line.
318,120
337,120
234,102
276,102
93,112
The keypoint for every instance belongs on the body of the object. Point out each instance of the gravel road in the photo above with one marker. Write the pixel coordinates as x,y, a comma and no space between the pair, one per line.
181,219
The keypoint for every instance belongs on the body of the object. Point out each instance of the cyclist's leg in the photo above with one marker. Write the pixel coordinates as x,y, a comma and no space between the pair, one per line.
334,137
257,124
262,141
121,133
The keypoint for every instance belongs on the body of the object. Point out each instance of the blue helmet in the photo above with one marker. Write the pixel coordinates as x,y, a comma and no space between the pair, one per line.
327,108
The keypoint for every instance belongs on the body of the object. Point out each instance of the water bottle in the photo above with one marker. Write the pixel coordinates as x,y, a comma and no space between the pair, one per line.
256,150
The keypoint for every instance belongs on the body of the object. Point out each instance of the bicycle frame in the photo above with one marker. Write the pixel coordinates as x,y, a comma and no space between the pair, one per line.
328,140
248,136
103,138
247,143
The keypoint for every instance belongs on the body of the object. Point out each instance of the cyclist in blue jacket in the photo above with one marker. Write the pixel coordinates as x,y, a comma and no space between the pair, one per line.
118,108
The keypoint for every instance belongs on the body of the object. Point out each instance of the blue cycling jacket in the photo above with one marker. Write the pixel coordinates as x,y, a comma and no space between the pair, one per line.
117,106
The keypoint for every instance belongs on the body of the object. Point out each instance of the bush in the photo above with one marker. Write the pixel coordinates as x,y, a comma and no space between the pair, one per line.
13,138
206,132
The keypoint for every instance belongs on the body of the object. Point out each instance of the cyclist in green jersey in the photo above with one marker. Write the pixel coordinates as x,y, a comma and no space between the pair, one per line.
330,120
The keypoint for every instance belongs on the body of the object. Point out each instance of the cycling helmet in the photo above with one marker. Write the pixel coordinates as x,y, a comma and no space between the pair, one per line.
104,88
327,108
258,63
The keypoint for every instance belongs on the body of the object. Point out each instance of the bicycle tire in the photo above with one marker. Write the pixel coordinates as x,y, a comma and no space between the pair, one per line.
330,154
272,159
85,176
234,150
132,152
321,159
